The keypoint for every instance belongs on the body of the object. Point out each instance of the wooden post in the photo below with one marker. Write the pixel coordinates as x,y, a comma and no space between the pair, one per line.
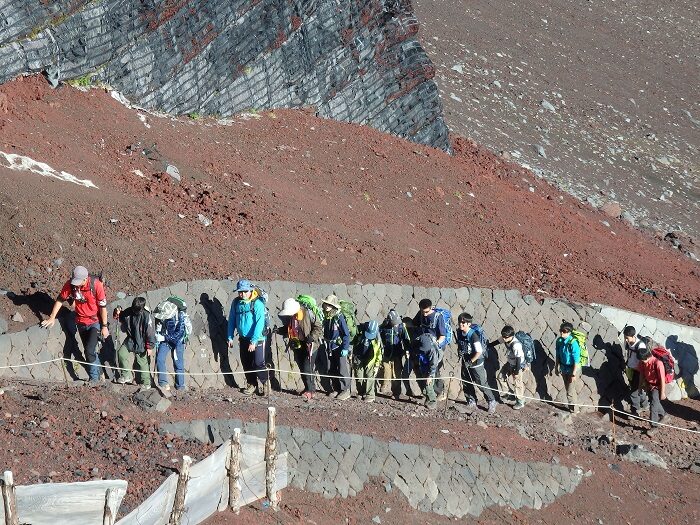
271,460
234,472
108,517
447,394
9,499
180,491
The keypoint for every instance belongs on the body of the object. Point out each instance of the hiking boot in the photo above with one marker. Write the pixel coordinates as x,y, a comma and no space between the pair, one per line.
165,388
471,404
94,382
385,392
369,399
342,396
308,396
144,387
517,406
125,381
431,405
249,390
492,407
441,396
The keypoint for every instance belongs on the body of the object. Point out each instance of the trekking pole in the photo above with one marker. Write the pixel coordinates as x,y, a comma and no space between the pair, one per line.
447,394
461,383
277,351
612,420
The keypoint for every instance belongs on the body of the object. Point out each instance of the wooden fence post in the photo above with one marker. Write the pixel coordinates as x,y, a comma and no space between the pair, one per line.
234,472
271,460
108,517
9,499
180,491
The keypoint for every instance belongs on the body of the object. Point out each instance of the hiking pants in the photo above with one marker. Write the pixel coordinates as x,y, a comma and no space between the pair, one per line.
339,367
639,399
570,386
439,384
476,374
178,356
392,370
89,335
657,411
306,364
507,382
428,391
253,361
138,362
365,374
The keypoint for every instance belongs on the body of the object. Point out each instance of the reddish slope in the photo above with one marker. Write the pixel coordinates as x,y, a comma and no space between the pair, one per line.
295,197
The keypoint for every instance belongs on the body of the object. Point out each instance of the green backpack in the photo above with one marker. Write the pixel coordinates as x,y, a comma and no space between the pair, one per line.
349,312
580,336
309,303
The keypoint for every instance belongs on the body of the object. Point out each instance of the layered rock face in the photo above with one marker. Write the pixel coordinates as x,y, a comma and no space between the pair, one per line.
351,60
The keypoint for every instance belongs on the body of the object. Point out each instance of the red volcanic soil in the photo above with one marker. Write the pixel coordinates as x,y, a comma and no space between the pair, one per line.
294,197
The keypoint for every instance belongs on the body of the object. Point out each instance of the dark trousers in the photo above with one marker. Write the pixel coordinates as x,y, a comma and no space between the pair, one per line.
306,363
339,367
638,397
439,385
253,361
657,411
475,374
89,335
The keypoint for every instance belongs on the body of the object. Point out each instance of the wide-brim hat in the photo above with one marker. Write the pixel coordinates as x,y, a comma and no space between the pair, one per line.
290,307
333,301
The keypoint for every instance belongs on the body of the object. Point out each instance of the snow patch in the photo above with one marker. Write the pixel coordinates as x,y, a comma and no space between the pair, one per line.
22,163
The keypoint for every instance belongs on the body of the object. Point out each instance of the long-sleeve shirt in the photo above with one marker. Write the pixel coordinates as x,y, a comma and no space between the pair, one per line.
138,327
514,352
302,327
247,318
336,332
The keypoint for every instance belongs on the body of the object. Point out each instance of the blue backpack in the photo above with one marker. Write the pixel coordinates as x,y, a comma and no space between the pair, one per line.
528,347
482,338
447,316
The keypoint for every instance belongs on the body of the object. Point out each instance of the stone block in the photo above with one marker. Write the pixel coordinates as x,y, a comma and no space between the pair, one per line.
152,401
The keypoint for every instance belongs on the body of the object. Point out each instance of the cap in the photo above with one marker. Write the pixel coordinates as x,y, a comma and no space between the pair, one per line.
290,307
372,330
80,273
244,285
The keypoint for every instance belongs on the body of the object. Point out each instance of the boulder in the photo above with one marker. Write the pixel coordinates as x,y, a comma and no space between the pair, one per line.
638,454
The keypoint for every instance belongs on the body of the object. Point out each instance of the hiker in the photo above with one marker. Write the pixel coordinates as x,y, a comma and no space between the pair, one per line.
137,325
568,357
336,337
87,294
397,343
367,355
634,345
170,327
424,361
511,378
428,321
472,347
247,317
653,385
303,328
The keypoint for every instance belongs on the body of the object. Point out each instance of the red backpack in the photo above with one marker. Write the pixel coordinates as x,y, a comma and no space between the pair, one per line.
666,358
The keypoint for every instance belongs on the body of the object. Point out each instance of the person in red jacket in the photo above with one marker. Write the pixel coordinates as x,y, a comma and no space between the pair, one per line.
87,294
653,382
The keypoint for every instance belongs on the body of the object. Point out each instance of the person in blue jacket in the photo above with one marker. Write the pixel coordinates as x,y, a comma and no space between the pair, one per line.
170,332
568,357
247,317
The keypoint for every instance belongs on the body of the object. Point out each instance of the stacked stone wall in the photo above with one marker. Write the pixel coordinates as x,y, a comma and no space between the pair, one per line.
353,60
602,383
449,483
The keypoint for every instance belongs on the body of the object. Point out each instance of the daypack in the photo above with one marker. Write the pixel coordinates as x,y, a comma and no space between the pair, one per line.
482,339
580,336
663,355
447,316
349,312
309,303
163,312
528,347
262,296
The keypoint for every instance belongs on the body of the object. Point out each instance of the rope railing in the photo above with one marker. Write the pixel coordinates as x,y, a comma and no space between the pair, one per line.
331,376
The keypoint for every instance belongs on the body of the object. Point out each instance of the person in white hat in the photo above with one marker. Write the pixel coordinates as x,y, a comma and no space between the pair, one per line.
87,294
303,328
336,338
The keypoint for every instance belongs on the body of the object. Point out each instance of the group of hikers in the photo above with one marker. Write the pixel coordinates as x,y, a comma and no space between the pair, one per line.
382,355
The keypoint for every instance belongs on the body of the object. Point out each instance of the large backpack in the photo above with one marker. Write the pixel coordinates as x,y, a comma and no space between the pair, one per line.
349,312
528,347
182,309
482,339
447,316
663,355
309,303
580,336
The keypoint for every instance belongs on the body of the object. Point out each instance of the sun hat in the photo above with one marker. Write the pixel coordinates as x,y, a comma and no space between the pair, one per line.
290,307
333,301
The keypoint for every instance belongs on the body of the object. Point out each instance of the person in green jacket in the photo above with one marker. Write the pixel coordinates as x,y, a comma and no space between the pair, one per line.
568,356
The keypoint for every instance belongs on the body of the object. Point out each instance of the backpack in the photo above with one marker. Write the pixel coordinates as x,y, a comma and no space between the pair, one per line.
262,296
580,336
663,355
349,312
309,303
447,316
163,312
482,339
528,347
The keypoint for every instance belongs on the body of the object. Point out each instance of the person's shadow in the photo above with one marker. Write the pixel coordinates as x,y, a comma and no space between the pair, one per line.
687,359
610,376
217,328
40,303
542,368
